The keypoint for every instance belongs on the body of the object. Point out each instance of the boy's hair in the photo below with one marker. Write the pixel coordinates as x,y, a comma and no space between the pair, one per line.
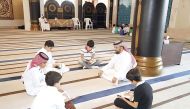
113,24
90,43
121,27
52,77
49,43
134,74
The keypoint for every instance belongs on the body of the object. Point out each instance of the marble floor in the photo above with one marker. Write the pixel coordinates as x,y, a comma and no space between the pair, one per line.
171,88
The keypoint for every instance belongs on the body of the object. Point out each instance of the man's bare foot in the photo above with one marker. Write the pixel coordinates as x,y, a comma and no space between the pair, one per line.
115,81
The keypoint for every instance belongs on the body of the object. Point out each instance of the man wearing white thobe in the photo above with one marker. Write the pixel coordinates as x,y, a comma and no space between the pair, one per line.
120,64
33,77
44,23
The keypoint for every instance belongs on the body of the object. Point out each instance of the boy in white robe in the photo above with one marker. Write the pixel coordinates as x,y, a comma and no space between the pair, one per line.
51,64
52,96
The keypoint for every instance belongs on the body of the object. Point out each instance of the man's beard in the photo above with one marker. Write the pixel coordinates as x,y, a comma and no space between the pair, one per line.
117,52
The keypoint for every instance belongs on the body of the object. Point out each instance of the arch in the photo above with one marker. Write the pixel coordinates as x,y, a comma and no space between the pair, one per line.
68,9
51,8
88,10
101,15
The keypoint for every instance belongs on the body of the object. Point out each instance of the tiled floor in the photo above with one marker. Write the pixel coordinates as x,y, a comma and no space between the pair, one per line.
91,93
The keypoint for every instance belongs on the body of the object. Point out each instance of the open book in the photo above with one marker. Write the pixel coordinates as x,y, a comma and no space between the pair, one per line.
128,95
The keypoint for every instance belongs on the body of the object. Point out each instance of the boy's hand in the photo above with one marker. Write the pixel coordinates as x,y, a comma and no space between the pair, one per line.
91,61
129,95
88,61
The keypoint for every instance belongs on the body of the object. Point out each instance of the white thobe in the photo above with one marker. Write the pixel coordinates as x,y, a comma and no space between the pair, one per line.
113,30
51,61
126,29
33,79
44,24
49,98
118,66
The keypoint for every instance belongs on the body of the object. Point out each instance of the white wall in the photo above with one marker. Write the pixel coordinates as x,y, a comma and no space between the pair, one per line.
180,15
183,15
83,1
11,23
104,1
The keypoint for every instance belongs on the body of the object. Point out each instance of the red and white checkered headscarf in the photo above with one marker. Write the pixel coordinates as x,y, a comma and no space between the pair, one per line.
39,59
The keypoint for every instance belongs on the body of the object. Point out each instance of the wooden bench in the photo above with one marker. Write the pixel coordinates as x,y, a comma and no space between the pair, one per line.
61,23
171,53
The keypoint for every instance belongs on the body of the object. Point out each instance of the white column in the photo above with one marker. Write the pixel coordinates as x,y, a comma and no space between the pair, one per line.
96,2
114,16
133,4
108,13
76,8
26,10
42,7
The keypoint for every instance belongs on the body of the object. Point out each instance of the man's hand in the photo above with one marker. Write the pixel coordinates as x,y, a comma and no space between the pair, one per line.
61,90
88,61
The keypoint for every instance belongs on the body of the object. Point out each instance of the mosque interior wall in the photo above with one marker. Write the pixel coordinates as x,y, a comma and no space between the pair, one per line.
18,19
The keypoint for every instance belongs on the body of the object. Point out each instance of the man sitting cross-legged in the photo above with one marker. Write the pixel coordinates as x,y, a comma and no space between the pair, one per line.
120,64
33,77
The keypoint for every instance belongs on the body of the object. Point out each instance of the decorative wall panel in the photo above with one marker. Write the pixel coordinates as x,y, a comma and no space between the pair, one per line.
88,10
68,10
124,12
6,9
64,11
51,9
